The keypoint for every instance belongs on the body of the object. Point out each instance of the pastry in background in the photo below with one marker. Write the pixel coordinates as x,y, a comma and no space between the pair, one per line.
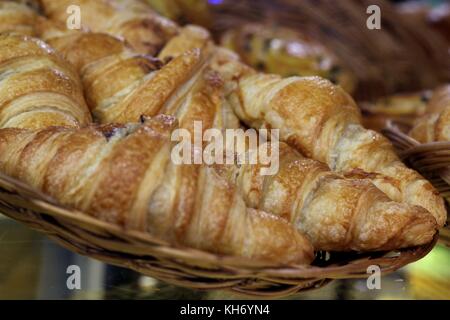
184,11
438,17
287,53
323,122
434,125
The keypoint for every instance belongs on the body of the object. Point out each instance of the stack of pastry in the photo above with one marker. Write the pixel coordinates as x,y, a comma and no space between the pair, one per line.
404,108
87,115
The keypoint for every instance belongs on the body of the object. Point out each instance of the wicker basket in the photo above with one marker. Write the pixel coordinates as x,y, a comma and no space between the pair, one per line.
184,266
431,159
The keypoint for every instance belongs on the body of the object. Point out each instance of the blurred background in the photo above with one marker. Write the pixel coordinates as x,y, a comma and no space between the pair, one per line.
390,72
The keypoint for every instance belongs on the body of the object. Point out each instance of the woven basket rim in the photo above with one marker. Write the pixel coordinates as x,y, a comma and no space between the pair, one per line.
406,145
400,128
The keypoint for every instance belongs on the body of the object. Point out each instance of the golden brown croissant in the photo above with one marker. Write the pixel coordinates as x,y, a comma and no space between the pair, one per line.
435,124
132,20
402,107
38,88
123,173
286,52
114,172
336,213
323,122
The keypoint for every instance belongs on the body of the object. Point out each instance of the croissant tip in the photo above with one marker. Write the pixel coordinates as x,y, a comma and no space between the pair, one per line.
419,232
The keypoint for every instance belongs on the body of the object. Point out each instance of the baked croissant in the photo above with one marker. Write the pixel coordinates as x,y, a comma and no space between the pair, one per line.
144,30
323,122
120,173
402,107
37,88
435,124
115,172
336,213
173,89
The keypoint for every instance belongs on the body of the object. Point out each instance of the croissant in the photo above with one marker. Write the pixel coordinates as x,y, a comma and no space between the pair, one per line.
144,30
172,88
37,87
114,172
435,124
337,213
323,122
